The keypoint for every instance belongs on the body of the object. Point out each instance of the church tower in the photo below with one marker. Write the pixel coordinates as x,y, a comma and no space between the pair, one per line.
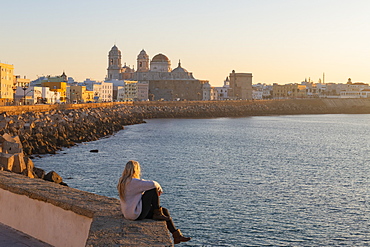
142,62
114,64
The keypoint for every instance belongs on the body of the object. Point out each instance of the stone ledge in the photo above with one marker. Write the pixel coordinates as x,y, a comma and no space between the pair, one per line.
108,227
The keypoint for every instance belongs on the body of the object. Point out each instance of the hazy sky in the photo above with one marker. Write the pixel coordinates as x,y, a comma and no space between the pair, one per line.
277,40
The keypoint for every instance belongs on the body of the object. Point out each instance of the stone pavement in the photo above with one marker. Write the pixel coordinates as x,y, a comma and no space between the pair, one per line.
10,237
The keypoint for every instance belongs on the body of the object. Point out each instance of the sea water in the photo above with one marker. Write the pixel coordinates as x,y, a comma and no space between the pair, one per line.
300,180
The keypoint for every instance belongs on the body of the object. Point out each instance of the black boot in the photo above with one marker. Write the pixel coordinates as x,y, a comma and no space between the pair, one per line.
177,237
158,215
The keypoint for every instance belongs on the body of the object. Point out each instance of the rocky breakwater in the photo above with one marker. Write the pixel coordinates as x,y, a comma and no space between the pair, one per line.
47,132
244,108
232,109
13,159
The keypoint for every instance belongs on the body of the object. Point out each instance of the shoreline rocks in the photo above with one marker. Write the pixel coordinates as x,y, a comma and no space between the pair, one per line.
47,132
12,159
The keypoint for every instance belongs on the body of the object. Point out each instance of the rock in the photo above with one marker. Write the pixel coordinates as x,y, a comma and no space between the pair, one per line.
3,124
7,161
6,137
11,147
19,165
40,173
29,168
53,177
64,184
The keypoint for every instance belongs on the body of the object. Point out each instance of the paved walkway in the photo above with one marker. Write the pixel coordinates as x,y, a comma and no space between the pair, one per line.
10,237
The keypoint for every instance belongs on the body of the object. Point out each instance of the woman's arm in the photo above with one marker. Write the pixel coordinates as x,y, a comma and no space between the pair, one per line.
145,185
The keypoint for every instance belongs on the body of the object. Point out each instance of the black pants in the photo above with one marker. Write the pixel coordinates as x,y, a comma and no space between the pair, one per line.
150,201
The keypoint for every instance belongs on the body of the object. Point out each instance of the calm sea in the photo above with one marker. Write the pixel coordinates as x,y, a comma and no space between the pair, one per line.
257,181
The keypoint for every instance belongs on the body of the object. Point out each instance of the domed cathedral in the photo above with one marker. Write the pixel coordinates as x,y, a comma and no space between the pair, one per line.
114,64
142,62
160,63
164,83
115,69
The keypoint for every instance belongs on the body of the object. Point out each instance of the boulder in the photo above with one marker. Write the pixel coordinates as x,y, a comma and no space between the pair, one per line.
6,137
29,168
11,147
3,124
39,173
53,177
19,165
7,161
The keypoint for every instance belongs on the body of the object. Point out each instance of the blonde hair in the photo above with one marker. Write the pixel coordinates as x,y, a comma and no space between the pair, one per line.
132,170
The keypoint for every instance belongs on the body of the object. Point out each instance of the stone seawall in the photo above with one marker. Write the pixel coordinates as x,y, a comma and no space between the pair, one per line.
46,130
253,108
63,216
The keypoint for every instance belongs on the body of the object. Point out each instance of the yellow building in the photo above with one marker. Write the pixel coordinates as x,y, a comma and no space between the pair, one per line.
291,91
79,94
136,91
57,86
88,96
21,82
6,83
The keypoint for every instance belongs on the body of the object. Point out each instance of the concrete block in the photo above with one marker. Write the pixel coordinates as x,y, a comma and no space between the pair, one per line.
6,137
29,168
3,124
53,177
7,161
19,165
11,147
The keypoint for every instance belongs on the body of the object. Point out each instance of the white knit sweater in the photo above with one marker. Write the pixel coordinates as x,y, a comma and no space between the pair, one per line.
132,205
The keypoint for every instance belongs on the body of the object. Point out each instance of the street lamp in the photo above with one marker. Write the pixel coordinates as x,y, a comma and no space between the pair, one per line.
25,87
26,95
14,90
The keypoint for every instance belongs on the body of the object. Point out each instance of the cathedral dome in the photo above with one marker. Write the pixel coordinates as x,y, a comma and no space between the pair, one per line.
114,51
142,55
160,63
160,58
179,69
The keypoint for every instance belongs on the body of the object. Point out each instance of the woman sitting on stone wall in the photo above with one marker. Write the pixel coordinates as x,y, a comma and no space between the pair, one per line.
140,199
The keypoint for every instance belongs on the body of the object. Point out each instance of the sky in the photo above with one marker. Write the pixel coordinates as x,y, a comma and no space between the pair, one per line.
278,41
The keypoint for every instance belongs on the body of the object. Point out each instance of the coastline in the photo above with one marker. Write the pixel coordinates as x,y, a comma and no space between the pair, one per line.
47,130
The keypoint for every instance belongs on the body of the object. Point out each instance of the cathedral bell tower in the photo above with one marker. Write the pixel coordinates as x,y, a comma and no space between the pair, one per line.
114,64
142,62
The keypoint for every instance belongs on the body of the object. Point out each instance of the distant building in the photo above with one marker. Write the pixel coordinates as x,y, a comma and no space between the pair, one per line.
257,94
79,94
120,94
222,92
240,86
264,91
6,83
57,87
288,91
103,91
355,90
57,84
36,95
164,83
135,91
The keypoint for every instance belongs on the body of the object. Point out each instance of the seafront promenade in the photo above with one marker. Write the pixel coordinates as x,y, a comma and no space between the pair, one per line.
63,216
10,237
